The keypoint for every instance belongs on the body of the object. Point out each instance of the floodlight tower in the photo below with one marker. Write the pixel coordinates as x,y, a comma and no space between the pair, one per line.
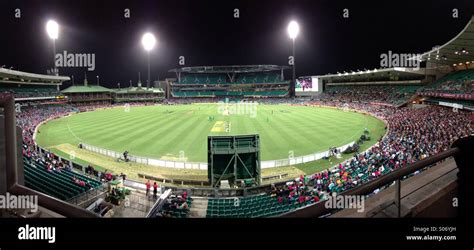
148,42
293,30
52,28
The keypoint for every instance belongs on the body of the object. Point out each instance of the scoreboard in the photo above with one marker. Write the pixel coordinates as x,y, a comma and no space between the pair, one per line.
233,158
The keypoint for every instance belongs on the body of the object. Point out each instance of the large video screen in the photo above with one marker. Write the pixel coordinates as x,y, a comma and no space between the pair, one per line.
309,84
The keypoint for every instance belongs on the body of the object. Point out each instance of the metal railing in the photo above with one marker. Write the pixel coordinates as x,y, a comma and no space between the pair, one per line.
89,194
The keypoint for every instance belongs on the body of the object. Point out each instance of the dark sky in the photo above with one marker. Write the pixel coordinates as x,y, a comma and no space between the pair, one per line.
206,33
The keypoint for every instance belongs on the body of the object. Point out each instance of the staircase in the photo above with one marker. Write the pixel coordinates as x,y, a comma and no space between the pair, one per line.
199,208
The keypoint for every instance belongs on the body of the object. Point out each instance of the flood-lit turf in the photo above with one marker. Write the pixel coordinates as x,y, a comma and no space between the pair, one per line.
168,132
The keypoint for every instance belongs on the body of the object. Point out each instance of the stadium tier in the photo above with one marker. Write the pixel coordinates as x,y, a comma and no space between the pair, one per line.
390,94
230,81
23,91
93,94
460,84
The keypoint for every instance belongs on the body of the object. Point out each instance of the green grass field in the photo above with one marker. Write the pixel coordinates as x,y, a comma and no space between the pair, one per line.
168,132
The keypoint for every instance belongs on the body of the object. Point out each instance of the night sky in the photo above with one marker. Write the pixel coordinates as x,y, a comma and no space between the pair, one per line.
206,33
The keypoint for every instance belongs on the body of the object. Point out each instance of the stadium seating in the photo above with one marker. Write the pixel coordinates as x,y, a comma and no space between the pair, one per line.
58,184
270,93
460,82
247,78
173,208
203,79
26,91
258,78
390,94
249,206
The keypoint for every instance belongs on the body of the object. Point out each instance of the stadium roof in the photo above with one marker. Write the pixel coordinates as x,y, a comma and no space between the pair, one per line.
229,69
375,73
20,77
458,50
86,89
137,90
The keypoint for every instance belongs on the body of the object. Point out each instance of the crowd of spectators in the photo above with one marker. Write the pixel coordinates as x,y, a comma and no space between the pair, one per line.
390,94
460,82
28,118
91,97
176,205
31,93
453,87
414,134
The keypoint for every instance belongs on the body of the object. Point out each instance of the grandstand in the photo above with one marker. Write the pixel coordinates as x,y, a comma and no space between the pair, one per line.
30,88
57,183
138,94
88,94
456,88
230,81
391,86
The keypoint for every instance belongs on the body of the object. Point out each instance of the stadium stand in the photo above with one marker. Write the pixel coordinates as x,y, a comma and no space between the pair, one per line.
230,81
47,173
456,85
389,94
23,91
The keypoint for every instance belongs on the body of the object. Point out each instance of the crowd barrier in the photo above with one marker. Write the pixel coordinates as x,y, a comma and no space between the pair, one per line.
203,165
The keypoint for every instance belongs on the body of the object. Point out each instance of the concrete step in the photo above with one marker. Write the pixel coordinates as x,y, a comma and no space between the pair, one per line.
198,208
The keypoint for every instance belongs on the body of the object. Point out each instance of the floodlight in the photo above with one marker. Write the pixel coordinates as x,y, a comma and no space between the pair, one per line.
52,28
148,41
293,29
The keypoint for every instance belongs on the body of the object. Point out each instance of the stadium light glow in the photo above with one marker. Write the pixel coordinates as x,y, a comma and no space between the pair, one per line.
52,28
148,41
293,29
